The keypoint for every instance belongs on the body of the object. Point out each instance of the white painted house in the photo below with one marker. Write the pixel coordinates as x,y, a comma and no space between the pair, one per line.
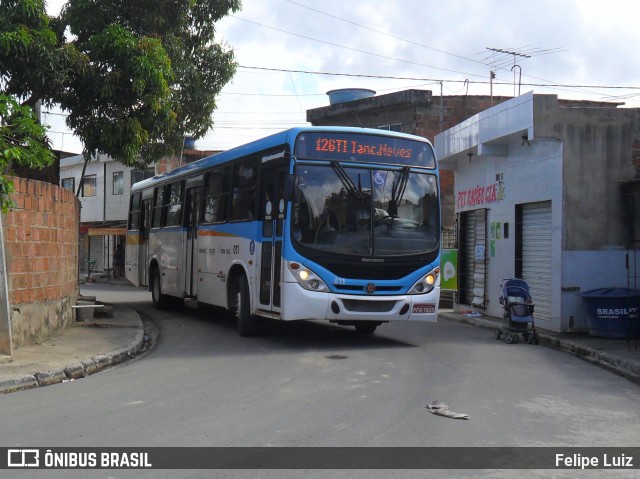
104,198
546,190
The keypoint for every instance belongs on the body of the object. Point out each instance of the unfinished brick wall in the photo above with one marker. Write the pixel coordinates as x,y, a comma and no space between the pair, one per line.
41,240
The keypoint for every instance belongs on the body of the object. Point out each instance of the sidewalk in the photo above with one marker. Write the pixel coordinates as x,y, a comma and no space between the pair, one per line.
83,349
613,354
91,346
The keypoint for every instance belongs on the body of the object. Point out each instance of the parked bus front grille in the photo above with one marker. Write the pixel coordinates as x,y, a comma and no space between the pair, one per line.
371,271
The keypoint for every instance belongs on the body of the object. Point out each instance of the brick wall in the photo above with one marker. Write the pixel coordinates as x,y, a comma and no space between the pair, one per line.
41,240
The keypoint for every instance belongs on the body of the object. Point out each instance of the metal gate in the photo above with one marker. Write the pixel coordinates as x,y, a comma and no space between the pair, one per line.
97,252
473,257
536,264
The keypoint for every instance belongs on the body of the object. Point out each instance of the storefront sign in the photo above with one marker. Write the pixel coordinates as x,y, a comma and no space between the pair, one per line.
449,266
478,196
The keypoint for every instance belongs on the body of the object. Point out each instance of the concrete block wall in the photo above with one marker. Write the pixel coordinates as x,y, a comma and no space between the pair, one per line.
41,239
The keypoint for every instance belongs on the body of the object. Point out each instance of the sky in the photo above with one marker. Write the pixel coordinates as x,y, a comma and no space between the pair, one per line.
291,52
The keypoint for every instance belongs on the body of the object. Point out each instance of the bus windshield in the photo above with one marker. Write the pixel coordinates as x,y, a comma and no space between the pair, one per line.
366,212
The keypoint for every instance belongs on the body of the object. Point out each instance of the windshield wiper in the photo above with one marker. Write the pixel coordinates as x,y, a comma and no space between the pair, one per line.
347,181
397,192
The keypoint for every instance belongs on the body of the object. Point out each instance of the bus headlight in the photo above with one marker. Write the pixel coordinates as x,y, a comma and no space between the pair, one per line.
307,278
426,283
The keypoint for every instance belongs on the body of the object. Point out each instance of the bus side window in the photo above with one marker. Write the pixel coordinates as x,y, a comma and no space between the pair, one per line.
174,204
158,204
134,212
245,177
216,196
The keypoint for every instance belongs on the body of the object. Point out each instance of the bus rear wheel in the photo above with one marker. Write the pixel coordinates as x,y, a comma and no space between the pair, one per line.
247,322
160,301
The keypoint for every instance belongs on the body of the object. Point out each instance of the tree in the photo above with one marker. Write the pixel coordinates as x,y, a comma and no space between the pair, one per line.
134,77
30,69
119,99
33,59
22,142
200,66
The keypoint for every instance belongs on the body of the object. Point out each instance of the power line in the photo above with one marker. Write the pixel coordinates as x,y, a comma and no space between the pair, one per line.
480,82
532,51
271,94
360,75
384,77
383,33
351,48
526,50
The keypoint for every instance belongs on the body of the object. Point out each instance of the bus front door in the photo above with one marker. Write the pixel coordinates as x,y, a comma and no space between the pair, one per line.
143,260
273,215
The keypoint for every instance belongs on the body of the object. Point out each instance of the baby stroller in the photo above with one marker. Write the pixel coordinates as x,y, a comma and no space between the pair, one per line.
518,312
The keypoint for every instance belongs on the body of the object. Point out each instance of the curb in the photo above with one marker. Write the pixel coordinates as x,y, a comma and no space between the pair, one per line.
76,370
603,359
627,369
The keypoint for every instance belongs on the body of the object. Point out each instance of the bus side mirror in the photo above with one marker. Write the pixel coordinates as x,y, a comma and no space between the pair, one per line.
290,187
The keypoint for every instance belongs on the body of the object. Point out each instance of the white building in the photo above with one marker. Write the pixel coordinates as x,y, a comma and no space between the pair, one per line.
547,191
104,198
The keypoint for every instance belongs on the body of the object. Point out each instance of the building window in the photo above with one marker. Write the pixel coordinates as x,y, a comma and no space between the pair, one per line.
118,183
392,127
69,184
139,175
89,186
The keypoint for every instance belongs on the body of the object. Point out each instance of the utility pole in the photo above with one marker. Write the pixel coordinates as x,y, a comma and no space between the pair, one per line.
492,75
441,106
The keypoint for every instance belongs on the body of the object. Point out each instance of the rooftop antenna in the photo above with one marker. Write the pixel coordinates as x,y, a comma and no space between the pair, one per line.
513,69
502,58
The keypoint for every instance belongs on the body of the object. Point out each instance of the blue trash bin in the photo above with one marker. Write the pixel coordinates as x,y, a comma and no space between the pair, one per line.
613,312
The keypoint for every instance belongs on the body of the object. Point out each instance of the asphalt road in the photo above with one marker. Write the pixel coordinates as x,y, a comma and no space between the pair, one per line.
316,384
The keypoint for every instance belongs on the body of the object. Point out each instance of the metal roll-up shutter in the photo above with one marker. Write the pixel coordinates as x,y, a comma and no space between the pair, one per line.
480,259
473,260
96,252
83,252
466,260
536,255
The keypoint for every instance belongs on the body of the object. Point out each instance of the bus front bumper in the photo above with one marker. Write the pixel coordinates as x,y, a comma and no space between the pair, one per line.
311,305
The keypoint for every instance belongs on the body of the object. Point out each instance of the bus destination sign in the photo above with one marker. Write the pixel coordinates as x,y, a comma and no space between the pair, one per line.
364,148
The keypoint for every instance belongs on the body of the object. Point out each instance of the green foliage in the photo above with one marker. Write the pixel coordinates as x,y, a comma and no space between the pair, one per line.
121,97
22,142
134,76
179,101
33,59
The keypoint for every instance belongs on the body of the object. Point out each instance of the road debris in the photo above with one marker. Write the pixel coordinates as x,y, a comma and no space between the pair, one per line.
441,409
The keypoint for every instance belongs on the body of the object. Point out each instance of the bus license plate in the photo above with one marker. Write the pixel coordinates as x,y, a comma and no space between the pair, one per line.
424,308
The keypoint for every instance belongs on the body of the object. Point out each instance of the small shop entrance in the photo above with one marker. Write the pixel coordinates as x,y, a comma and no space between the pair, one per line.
473,257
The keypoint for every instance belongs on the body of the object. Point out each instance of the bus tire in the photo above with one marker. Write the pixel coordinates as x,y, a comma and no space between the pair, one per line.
247,322
160,301
366,327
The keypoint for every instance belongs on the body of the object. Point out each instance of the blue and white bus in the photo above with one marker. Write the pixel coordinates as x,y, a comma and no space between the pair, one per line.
317,223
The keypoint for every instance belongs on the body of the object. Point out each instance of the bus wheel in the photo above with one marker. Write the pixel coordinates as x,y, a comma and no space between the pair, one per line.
160,301
366,327
247,323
